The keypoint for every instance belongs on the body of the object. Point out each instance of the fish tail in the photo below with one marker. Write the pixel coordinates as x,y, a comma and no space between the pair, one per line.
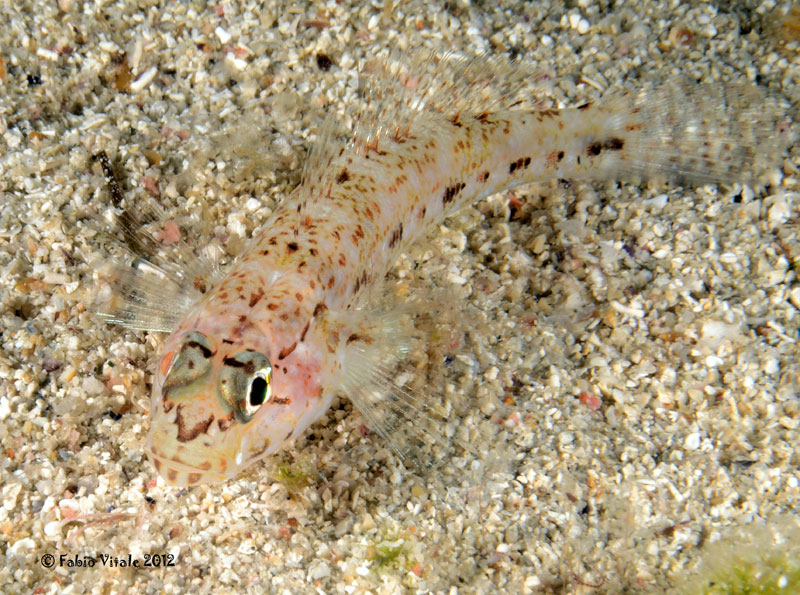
693,133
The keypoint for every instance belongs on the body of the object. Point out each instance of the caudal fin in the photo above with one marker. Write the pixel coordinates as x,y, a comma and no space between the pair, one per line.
702,133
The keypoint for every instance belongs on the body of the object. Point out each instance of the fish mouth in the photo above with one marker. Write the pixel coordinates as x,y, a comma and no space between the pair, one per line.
178,473
188,464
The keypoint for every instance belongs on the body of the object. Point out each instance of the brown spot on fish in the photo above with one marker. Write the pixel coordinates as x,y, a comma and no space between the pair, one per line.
319,309
280,400
554,158
189,431
547,113
256,297
305,330
594,149
225,422
207,353
356,337
614,144
235,363
358,234
451,192
484,177
157,464
172,475
343,176
286,351
520,163
585,106
396,236
262,450
291,247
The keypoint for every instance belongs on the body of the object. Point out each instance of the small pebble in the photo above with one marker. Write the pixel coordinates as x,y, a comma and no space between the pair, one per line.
692,441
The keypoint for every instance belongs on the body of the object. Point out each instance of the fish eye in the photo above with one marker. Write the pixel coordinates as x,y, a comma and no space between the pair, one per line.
259,391
181,369
244,383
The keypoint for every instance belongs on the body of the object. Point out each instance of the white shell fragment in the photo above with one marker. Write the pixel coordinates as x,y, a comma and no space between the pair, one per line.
144,79
222,35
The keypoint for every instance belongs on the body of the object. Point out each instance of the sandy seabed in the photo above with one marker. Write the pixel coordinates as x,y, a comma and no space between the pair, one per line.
643,341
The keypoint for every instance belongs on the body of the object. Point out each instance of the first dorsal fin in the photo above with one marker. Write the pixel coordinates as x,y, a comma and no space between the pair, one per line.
164,275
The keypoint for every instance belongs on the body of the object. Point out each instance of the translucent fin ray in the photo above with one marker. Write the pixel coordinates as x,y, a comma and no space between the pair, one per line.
697,133
385,379
164,275
401,92
401,95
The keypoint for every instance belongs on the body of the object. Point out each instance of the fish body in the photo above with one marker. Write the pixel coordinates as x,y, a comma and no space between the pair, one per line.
260,356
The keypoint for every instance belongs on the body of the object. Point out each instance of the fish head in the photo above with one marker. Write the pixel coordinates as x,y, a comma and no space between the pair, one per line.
219,405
